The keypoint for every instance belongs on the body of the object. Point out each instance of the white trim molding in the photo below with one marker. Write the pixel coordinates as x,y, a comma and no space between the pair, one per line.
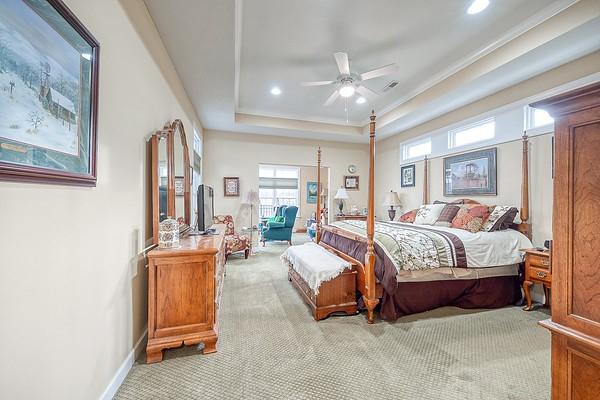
121,374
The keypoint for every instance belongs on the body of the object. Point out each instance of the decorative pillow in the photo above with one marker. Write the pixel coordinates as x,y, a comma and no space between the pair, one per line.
471,217
279,219
428,214
447,215
501,218
409,216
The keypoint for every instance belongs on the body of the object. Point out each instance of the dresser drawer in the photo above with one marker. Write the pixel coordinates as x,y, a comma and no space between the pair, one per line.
539,274
539,261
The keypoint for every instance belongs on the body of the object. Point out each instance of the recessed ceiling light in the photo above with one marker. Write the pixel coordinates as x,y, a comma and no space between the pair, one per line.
478,6
275,91
361,100
347,90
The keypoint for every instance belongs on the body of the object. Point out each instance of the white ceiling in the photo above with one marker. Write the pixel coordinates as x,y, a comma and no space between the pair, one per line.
229,54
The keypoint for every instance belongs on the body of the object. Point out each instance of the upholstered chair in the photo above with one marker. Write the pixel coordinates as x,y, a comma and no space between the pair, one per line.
280,230
234,242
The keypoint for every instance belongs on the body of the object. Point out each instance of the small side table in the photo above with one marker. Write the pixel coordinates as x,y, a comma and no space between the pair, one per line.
254,238
538,269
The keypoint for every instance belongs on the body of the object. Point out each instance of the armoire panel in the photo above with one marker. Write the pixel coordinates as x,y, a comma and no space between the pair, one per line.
585,276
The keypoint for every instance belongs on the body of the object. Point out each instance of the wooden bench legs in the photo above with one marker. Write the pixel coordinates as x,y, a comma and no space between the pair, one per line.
336,295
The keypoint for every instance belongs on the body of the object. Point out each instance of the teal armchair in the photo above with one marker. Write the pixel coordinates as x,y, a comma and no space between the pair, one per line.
280,230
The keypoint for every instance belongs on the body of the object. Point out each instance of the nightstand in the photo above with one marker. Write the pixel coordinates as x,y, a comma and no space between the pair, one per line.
538,269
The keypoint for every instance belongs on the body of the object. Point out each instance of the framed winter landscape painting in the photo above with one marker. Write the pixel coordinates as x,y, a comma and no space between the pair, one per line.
48,94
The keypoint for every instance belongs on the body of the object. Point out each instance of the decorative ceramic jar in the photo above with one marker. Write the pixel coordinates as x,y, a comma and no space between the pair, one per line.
354,210
168,234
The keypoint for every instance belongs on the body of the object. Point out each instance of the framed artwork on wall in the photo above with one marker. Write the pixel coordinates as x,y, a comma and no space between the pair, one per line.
351,182
48,94
471,173
311,192
179,186
231,186
407,175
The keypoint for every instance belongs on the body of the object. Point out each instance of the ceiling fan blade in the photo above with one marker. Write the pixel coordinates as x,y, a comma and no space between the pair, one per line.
342,62
366,92
332,98
317,83
388,69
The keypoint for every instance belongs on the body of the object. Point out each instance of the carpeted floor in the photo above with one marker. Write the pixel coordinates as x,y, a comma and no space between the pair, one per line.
270,348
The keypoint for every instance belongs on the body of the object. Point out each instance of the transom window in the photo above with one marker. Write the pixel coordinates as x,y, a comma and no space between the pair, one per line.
416,149
536,117
278,186
477,132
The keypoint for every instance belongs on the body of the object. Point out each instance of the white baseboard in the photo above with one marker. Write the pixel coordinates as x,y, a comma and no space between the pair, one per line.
123,370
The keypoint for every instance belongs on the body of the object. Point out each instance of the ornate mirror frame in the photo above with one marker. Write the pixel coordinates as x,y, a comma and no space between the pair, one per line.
169,132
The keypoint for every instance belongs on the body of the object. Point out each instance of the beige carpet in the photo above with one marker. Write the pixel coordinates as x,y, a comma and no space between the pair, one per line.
270,348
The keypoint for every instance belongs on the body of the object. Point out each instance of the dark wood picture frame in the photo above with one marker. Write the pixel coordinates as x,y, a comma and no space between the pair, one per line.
232,179
489,190
27,173
356,178
407,168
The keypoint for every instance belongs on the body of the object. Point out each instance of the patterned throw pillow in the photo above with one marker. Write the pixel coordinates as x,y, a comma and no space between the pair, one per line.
447,215
471,217
409,216
428,214
501,218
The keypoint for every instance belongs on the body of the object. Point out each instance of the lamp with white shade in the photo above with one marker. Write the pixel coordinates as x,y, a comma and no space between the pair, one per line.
392,200
341,195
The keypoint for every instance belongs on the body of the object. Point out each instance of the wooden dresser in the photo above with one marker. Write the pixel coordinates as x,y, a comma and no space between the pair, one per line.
575,322
184,291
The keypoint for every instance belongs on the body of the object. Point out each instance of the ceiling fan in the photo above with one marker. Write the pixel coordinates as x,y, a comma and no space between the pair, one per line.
350,82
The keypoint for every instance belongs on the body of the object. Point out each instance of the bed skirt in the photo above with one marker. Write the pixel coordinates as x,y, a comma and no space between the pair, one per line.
416,297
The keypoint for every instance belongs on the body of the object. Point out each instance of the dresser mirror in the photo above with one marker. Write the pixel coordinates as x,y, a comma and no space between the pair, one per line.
170,177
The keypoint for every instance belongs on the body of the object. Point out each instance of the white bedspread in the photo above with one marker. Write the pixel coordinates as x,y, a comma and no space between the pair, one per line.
314,264
491,249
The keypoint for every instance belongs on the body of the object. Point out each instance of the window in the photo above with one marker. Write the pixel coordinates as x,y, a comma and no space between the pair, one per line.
416,149
536,117
196,171
278,186
478,132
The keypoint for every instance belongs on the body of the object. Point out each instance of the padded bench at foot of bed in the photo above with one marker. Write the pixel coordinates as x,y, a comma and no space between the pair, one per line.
335,295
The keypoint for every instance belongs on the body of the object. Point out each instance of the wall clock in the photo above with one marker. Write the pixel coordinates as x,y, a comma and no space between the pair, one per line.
352,168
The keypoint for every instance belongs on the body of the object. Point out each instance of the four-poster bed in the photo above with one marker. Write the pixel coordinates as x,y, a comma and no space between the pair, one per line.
488,282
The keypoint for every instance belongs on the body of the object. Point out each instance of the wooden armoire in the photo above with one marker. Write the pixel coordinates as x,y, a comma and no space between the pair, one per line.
575,322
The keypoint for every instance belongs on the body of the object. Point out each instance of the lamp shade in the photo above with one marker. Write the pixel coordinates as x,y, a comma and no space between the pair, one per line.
251,198
391,199
341,194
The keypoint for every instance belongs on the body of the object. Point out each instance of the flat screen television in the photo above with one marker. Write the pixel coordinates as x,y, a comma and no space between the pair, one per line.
206,207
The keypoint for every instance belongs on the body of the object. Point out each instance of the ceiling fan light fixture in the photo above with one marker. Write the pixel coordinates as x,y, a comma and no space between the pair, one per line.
347,90
478,6
361,100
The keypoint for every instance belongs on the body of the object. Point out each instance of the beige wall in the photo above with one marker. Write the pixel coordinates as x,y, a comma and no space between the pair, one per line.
239,154
72,278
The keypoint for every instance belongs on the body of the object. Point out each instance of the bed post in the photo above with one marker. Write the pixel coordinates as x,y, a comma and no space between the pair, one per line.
370,298
318,215
425,181
525,226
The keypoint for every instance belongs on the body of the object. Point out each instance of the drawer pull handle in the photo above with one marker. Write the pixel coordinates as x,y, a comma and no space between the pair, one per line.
546,263
541,274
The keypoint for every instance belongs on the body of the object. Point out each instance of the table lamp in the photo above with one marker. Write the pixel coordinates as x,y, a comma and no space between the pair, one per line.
341,195
392,200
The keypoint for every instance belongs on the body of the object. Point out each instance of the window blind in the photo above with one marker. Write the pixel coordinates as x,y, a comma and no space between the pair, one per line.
278,183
